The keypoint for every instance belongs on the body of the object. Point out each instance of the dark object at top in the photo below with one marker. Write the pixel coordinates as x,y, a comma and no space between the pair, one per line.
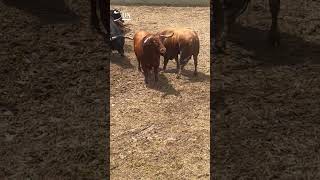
116,14
48,11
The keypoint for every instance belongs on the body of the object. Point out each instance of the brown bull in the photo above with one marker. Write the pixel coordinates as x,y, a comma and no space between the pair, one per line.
184,42
148,47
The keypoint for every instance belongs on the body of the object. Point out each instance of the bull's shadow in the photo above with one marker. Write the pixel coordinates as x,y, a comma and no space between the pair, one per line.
292,50
48,11
163,85
123,62
201,77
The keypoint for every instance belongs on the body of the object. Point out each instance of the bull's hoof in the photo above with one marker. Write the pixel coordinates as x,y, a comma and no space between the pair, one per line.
156,85
95,28
274,38
121,52
219,50
195,73
220,46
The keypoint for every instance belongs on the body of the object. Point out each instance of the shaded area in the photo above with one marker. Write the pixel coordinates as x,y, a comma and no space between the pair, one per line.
292,49
53,88
201,77
49,12
163,85
156,129
124,62
266,105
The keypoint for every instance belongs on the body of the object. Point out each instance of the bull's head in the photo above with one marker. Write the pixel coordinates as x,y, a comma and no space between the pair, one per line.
155,41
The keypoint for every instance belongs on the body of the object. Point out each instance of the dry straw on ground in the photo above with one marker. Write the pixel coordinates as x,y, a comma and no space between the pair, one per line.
268,124
52,88
161,133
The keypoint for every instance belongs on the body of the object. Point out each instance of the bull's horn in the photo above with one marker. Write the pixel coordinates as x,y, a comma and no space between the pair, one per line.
115,37
145,41
128,37
167,36
115,20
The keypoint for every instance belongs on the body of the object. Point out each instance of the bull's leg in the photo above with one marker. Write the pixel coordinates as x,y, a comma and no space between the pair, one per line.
139,65
195,58
145,72
225,31
274,36
165,62
156,74
121,52
178,68
184,58
94,21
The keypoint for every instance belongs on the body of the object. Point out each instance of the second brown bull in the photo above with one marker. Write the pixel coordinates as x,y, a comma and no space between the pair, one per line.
184,42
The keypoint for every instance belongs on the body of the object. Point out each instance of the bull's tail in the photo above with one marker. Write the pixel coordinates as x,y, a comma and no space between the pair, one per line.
195,44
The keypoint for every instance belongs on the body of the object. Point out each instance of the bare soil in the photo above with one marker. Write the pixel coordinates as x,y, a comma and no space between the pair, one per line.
161,132
53,86
266,100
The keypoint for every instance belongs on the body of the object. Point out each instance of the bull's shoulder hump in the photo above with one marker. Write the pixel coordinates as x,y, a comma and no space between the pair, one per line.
141,33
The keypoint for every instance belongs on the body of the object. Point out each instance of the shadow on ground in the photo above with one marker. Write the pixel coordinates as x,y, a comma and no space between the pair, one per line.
48,11
201,77
163,86
123,62
292,50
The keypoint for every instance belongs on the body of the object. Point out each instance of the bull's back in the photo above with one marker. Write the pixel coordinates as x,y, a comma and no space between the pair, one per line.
189,41
183,39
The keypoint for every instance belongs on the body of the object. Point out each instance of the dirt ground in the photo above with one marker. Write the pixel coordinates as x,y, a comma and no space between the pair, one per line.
53,85
266,101
161,133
